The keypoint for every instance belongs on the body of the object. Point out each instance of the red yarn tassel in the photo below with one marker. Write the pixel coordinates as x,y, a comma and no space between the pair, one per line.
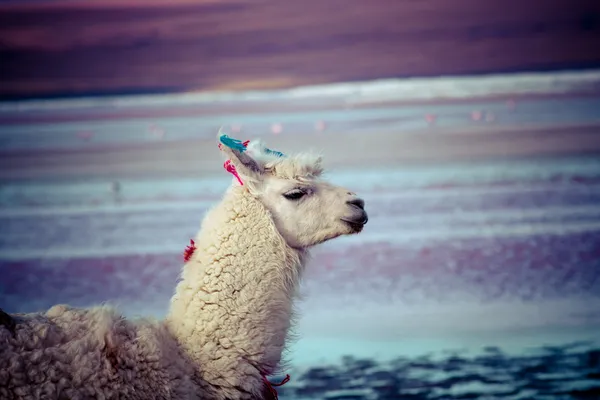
272,389
229,167
189,250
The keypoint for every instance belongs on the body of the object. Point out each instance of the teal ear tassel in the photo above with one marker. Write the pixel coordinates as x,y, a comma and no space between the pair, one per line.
240,146
274,152
232,143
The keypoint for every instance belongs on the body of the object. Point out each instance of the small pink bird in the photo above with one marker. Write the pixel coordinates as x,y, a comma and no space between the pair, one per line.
156,131
276,128
476,115
159,133
320,126
85,135
430,118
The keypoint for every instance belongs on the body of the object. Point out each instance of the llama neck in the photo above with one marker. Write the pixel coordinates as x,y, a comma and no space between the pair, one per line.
233,307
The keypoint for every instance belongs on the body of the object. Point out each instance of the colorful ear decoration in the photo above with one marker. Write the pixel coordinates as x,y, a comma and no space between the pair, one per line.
189,251
232,143
268,151
229,167
274,152
240,146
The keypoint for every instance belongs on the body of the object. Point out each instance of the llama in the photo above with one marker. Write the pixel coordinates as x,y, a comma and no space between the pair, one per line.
232,309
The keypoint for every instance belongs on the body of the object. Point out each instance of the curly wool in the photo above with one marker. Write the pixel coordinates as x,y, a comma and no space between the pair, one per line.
70,353
245,281
226,329
230,316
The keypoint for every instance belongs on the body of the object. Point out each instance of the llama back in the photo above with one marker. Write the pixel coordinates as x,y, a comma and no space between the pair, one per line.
90,353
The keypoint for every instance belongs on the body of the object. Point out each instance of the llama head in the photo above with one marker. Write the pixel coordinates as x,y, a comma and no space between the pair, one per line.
306,209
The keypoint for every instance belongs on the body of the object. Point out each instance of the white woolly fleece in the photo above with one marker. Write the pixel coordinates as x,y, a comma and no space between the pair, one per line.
228,324
230,315
95,353
232,310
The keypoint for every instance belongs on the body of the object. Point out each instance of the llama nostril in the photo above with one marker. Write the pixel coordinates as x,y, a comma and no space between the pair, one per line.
360,203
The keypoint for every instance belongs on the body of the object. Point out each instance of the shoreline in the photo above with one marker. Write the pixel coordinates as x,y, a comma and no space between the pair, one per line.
152,113
223,108
358,94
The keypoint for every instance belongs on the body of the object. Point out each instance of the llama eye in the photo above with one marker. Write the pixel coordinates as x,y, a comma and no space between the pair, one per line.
295,194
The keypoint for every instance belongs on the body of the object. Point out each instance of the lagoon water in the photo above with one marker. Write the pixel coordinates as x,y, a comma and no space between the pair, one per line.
475,279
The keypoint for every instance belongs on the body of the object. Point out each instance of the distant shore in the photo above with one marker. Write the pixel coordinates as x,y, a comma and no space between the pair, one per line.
441,90
74,47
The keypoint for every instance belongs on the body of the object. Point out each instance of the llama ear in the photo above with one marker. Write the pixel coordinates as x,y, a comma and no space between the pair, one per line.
235,151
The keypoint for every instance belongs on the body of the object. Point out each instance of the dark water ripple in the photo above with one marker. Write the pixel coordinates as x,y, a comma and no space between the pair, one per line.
570,371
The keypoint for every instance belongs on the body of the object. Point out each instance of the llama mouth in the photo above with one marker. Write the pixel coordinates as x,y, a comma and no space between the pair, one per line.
357,224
